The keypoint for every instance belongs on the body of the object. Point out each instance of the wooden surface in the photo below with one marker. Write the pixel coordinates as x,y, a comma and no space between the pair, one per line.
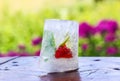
90,69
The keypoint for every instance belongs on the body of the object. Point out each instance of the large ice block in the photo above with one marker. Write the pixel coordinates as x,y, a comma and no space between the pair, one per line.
59,51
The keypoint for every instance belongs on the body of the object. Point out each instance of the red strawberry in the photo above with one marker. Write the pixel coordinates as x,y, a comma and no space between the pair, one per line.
63,52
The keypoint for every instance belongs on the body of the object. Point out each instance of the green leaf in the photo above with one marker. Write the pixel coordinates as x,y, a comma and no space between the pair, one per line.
66,39
48,45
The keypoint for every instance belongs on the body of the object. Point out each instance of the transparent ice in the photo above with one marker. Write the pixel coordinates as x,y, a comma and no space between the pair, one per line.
55,32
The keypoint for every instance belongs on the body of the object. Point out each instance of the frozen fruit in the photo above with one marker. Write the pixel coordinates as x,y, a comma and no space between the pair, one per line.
63,52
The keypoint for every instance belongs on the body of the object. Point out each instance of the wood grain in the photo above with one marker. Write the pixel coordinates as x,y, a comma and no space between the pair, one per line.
90,69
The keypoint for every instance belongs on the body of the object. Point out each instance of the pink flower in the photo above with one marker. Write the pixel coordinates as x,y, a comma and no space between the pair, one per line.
24,54
110,37
37,53
12,53
85,30
36,41
84,47
112,50
109,26
2,55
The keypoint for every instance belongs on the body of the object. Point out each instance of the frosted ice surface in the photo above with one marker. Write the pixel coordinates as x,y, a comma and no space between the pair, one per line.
55,32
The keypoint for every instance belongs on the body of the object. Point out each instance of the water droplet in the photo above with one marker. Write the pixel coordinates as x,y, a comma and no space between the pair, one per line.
6,69
15,65
96,60
14,62
116,68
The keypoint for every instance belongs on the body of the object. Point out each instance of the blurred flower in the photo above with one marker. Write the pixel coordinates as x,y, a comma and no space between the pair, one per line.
2,55
36,41
110,37
12,53
109,26
37,53
21,46
24,54
85,30
84,47
111,50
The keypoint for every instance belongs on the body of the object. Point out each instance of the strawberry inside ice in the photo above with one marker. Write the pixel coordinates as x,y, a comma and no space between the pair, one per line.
63,52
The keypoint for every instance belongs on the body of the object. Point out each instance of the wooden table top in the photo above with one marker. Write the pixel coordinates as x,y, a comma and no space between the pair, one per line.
90,69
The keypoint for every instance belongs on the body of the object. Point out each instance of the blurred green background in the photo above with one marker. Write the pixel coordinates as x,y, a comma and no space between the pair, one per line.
23,20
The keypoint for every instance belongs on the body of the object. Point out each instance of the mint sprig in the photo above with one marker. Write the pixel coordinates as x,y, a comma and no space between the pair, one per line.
66,39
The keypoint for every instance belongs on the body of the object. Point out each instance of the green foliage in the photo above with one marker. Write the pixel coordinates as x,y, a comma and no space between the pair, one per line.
20,28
